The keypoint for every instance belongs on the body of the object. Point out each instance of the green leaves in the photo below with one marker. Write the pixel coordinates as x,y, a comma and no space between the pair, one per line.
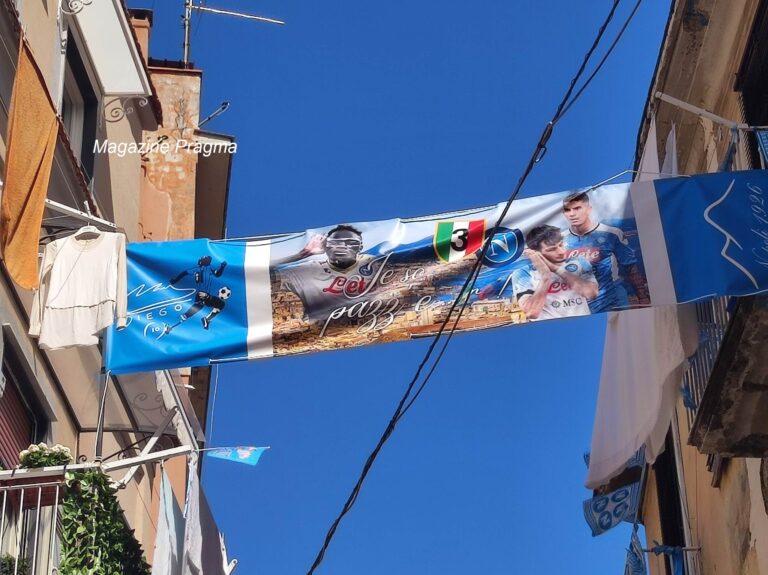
8,563
95,539
40,455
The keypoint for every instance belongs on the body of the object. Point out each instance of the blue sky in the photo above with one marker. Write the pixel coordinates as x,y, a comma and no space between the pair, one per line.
356,111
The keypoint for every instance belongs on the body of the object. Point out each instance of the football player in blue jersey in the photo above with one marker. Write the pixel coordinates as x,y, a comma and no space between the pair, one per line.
552,285
606,248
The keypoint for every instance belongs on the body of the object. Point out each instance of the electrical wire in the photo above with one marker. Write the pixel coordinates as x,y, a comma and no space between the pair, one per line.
407,400
605,57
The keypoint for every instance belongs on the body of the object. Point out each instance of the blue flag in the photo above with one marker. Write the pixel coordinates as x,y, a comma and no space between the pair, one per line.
247,455
635,557
605,512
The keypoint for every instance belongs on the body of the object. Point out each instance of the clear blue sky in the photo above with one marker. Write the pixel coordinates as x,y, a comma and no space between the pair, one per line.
356,111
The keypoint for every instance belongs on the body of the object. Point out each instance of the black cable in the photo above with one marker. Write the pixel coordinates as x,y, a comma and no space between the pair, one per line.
464,294
605,57
476,273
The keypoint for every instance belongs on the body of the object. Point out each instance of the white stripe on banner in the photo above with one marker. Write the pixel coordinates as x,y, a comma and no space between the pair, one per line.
456,255
657,268
259,300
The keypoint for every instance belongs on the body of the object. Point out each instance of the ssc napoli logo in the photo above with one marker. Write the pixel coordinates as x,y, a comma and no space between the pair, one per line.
573,268
506,246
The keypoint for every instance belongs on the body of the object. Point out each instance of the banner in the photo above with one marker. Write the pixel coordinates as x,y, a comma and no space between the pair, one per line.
559,255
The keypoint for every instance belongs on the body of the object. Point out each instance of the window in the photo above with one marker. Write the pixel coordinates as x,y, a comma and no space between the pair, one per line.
26,530
752,79
21,419
668,489
79,106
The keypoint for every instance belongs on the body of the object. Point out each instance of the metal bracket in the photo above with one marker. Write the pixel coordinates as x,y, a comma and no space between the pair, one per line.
68,211
149,446
701,112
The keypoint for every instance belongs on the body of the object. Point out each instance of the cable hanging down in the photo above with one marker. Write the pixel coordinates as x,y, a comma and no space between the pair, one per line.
460,302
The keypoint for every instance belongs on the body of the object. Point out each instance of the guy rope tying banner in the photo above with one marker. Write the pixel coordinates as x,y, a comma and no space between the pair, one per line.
594,250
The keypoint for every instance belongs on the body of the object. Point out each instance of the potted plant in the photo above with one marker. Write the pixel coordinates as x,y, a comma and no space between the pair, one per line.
36,456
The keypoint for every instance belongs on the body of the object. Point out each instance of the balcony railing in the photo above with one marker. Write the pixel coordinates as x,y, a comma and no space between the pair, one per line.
29,526
712,318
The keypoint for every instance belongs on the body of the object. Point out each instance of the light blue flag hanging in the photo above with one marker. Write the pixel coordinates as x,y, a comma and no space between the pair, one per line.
604,512
635,557
243,454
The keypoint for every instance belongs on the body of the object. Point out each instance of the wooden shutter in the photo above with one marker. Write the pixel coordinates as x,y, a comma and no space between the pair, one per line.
17,427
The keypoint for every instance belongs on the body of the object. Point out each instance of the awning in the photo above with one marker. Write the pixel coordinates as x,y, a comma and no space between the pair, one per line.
105,32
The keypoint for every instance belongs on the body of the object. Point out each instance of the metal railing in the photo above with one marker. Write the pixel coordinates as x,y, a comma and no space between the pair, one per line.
712,318
29,527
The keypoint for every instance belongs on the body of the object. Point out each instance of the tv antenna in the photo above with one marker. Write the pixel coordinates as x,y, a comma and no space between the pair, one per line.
189,5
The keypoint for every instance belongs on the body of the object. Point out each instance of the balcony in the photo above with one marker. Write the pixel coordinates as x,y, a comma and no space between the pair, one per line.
29,526
730,420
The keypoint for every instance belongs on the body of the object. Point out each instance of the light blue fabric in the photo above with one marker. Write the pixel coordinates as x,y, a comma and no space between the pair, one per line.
247,455
635,557
169,540
676,555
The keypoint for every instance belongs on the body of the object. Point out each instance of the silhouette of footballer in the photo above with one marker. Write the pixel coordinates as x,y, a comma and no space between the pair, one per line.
203,275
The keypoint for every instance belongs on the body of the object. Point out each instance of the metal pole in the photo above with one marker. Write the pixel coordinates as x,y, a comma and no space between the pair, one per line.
2,516
691,564
51,545
686,549
701,112
21,533
100,424
37,528
187,19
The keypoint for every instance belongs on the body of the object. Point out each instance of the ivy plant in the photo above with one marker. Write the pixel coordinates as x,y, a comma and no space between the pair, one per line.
8,565
95,539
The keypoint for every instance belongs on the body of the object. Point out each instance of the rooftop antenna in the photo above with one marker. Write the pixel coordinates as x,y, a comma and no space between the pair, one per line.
189,5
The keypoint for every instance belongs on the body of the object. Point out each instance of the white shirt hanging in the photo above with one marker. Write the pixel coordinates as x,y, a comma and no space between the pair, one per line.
82,289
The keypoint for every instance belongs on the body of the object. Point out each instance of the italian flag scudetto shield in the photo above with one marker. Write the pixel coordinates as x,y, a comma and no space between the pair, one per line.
454,240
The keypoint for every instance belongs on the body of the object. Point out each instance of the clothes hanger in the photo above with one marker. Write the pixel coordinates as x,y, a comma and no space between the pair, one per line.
88,232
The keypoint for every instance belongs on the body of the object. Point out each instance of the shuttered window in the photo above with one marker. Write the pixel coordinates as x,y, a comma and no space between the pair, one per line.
19,426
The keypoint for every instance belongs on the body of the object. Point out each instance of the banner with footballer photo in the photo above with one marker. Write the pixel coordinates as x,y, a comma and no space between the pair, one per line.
560,255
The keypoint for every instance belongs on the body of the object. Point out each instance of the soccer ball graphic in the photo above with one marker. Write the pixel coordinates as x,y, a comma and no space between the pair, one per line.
225,292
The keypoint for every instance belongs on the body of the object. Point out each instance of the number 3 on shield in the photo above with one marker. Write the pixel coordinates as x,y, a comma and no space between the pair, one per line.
459,239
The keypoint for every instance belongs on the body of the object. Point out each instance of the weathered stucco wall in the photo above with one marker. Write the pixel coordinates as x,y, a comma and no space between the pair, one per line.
168,183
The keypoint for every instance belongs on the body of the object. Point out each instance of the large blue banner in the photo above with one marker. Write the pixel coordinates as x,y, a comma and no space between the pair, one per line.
177,295
559,255
716,232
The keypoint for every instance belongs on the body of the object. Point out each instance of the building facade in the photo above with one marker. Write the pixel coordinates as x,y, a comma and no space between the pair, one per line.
111,103
708,491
